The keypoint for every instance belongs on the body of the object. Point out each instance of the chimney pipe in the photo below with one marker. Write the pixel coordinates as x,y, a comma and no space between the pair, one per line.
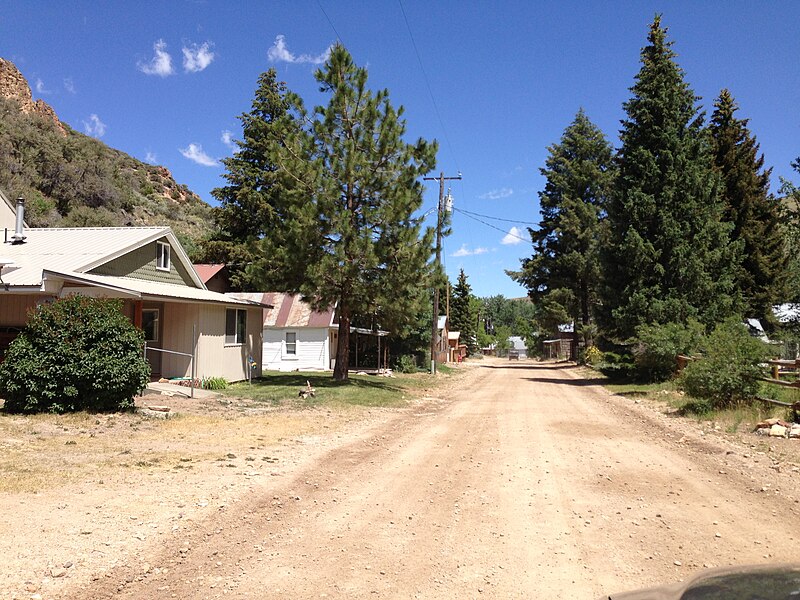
19,237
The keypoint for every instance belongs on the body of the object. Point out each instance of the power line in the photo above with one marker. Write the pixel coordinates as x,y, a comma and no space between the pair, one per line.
497,218
338,37
490,225
427,83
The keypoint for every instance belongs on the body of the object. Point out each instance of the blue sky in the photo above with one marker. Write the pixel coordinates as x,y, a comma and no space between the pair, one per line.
494,82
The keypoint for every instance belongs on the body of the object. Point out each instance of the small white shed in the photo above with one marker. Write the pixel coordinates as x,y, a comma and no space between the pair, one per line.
295,336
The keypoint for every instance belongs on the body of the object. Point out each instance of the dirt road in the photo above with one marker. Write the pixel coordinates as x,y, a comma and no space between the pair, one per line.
531,483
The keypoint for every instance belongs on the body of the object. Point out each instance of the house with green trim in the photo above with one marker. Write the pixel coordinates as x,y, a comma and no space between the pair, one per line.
145,267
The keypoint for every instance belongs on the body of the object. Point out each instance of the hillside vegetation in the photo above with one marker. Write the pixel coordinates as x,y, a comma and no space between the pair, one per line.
70,179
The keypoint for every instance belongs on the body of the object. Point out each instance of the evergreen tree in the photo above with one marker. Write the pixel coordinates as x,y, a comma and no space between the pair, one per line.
462,318
790,220
668,257
342,230
761,279
565,266
255,181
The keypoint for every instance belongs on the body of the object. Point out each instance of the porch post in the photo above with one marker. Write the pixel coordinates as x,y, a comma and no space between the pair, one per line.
137,313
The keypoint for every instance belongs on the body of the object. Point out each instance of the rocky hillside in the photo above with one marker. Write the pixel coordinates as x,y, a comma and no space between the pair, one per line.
70,179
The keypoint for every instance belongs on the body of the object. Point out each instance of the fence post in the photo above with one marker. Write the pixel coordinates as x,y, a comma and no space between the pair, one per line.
776,372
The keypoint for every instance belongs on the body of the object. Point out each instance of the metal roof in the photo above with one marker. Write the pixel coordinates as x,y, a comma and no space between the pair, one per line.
289,310
147,290
79,249
207,271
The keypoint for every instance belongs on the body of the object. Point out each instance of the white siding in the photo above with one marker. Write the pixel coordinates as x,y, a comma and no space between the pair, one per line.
313,349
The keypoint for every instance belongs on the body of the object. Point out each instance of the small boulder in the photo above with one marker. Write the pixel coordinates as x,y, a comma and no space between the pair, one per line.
778,431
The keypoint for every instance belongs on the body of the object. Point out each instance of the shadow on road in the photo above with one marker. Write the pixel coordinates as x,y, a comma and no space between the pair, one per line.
574,382
535,366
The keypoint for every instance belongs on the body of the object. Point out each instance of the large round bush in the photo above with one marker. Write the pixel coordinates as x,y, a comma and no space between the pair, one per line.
730,368
77,353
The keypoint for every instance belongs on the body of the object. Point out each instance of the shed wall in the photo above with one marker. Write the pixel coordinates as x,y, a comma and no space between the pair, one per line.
313,349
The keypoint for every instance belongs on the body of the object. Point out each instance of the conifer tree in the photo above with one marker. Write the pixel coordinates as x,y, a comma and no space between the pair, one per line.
248,203
342,231
668,257
564,268
762,276
462,318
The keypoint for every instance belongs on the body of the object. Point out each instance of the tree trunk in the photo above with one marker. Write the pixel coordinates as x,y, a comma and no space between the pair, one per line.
342,348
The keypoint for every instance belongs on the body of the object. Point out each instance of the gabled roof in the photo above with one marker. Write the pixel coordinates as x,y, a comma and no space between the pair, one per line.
289,310
207,271
79,250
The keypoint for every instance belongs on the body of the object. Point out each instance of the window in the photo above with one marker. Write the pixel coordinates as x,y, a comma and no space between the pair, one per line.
291,343
150,324
162,256
235,325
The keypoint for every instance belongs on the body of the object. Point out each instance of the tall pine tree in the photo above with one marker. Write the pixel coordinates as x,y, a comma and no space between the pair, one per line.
668,257
762,275
564,270
342,229
462,318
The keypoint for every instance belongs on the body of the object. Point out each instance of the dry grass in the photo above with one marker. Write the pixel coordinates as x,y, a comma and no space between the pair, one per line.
46,452
49,451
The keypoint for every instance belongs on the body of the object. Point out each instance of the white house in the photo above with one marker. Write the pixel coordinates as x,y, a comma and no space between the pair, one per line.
295,336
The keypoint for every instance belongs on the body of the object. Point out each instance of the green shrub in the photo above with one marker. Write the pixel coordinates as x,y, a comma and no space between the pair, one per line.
657,347
214,383
617,366
77,353
731,364
406,364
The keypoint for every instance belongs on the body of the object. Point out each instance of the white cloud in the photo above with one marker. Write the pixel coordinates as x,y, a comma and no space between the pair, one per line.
150,157
160,64
227,139
194,152
196,58
69,85
40,87
280,53
514,236
464,251
497,194
94,126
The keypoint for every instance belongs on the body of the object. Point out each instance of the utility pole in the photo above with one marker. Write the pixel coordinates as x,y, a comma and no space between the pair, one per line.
439,218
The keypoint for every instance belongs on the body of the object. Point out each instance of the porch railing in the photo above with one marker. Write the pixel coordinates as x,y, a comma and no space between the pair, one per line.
192,359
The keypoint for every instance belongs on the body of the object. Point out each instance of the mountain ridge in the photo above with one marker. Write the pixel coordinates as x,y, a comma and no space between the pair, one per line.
70,179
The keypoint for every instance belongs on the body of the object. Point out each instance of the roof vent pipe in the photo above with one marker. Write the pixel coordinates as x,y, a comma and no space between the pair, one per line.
19,237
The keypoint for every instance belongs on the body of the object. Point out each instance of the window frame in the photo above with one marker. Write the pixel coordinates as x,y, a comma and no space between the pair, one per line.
286,352
235,328
156,323
163,256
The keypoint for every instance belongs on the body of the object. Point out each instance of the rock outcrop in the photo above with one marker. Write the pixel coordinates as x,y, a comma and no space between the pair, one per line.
14,86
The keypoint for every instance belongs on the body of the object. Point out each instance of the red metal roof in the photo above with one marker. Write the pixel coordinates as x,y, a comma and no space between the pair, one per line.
290,311
206,272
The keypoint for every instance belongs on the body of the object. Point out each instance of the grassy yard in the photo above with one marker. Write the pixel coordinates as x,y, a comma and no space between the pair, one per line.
276,388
